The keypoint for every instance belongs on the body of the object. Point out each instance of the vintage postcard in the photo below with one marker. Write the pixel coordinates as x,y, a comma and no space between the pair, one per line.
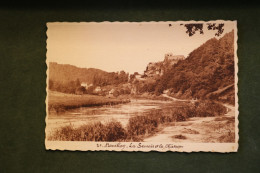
142,86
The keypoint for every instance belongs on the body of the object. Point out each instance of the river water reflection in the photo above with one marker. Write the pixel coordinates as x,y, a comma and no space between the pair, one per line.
121,113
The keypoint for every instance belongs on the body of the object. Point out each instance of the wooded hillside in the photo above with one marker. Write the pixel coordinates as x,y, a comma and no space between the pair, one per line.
206,70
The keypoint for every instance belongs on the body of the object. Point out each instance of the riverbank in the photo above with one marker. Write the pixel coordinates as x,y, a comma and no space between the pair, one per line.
198,130
60,102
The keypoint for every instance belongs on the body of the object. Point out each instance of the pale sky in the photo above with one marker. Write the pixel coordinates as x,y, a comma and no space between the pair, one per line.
120,45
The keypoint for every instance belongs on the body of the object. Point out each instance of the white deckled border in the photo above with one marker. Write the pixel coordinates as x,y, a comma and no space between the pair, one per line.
147,146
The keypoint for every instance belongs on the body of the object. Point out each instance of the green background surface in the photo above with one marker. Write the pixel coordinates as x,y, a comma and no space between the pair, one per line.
22,92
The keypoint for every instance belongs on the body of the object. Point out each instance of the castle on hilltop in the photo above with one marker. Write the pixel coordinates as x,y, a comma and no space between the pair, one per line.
158,68
171,57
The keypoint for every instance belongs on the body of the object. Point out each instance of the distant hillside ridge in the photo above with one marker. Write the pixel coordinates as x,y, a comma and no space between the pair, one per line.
64,73
208,72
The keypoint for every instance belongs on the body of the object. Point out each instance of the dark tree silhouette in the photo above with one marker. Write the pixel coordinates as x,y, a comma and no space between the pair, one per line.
192,28
214,26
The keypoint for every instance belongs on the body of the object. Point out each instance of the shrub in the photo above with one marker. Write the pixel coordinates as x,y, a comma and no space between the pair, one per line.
127,91
198,109
146,124
63,134
80,90
141,125
121,91
115,131
116,93
209,109
90,90
179,114
91,132
112,131
179,136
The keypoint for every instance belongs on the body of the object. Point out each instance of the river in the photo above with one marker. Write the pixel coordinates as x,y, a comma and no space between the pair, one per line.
121,113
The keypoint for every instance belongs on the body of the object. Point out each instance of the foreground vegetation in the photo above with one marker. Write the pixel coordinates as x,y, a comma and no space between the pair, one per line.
59,102
138,126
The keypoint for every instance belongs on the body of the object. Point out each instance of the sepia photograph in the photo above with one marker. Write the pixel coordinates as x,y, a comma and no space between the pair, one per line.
142,86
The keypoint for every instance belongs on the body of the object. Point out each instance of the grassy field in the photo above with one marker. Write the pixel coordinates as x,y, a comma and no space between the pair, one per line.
139,127
59,102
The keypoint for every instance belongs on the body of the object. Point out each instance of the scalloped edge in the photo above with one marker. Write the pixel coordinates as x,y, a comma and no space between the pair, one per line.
73,146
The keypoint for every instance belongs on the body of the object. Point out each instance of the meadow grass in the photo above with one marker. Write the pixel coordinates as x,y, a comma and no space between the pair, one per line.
60,102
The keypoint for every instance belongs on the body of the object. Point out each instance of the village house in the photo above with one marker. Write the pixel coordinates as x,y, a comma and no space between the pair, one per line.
84,84
139,77
98,89
111,92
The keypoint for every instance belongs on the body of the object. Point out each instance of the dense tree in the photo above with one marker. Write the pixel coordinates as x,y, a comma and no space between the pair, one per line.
110,79
65,87
90,90
80,90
